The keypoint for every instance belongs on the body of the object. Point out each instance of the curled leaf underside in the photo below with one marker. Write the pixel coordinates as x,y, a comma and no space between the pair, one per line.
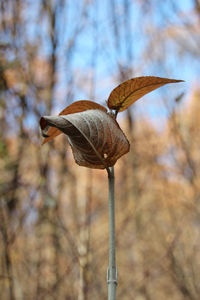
96,139
131,90
75,107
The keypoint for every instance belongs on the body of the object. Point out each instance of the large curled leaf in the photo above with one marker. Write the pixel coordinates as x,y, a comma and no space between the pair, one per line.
131,90
96,139
75,107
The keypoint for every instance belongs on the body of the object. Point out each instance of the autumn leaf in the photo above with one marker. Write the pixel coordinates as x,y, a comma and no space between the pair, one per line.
95,137
75,107
131,90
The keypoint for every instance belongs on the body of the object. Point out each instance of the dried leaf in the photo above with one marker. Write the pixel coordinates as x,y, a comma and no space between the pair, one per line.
96,139
75,107
131,90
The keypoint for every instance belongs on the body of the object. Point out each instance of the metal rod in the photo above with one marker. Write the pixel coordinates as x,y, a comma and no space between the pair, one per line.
112,269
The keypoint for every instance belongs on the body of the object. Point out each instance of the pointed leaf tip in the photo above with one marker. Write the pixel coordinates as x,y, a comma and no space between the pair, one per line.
43,123
133,89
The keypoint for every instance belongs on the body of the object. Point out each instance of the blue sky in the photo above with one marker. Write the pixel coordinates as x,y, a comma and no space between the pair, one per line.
97,53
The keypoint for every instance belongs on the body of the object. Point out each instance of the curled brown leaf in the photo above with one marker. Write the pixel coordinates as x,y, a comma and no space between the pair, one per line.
75,107
96,139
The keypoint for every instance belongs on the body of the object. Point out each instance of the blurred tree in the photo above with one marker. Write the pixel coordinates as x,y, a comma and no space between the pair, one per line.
53,215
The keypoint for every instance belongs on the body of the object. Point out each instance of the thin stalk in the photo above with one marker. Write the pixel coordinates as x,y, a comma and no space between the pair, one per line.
112,269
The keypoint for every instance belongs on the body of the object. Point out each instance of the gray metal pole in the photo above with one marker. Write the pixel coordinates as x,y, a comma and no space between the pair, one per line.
112,269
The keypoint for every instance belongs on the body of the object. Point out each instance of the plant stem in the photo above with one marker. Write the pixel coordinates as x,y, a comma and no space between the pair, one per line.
112,269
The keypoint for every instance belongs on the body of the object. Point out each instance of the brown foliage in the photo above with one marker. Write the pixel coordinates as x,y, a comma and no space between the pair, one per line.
96,139
131,90
75,107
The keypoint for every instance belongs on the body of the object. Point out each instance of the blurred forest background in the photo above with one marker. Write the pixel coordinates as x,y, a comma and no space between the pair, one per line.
53,213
